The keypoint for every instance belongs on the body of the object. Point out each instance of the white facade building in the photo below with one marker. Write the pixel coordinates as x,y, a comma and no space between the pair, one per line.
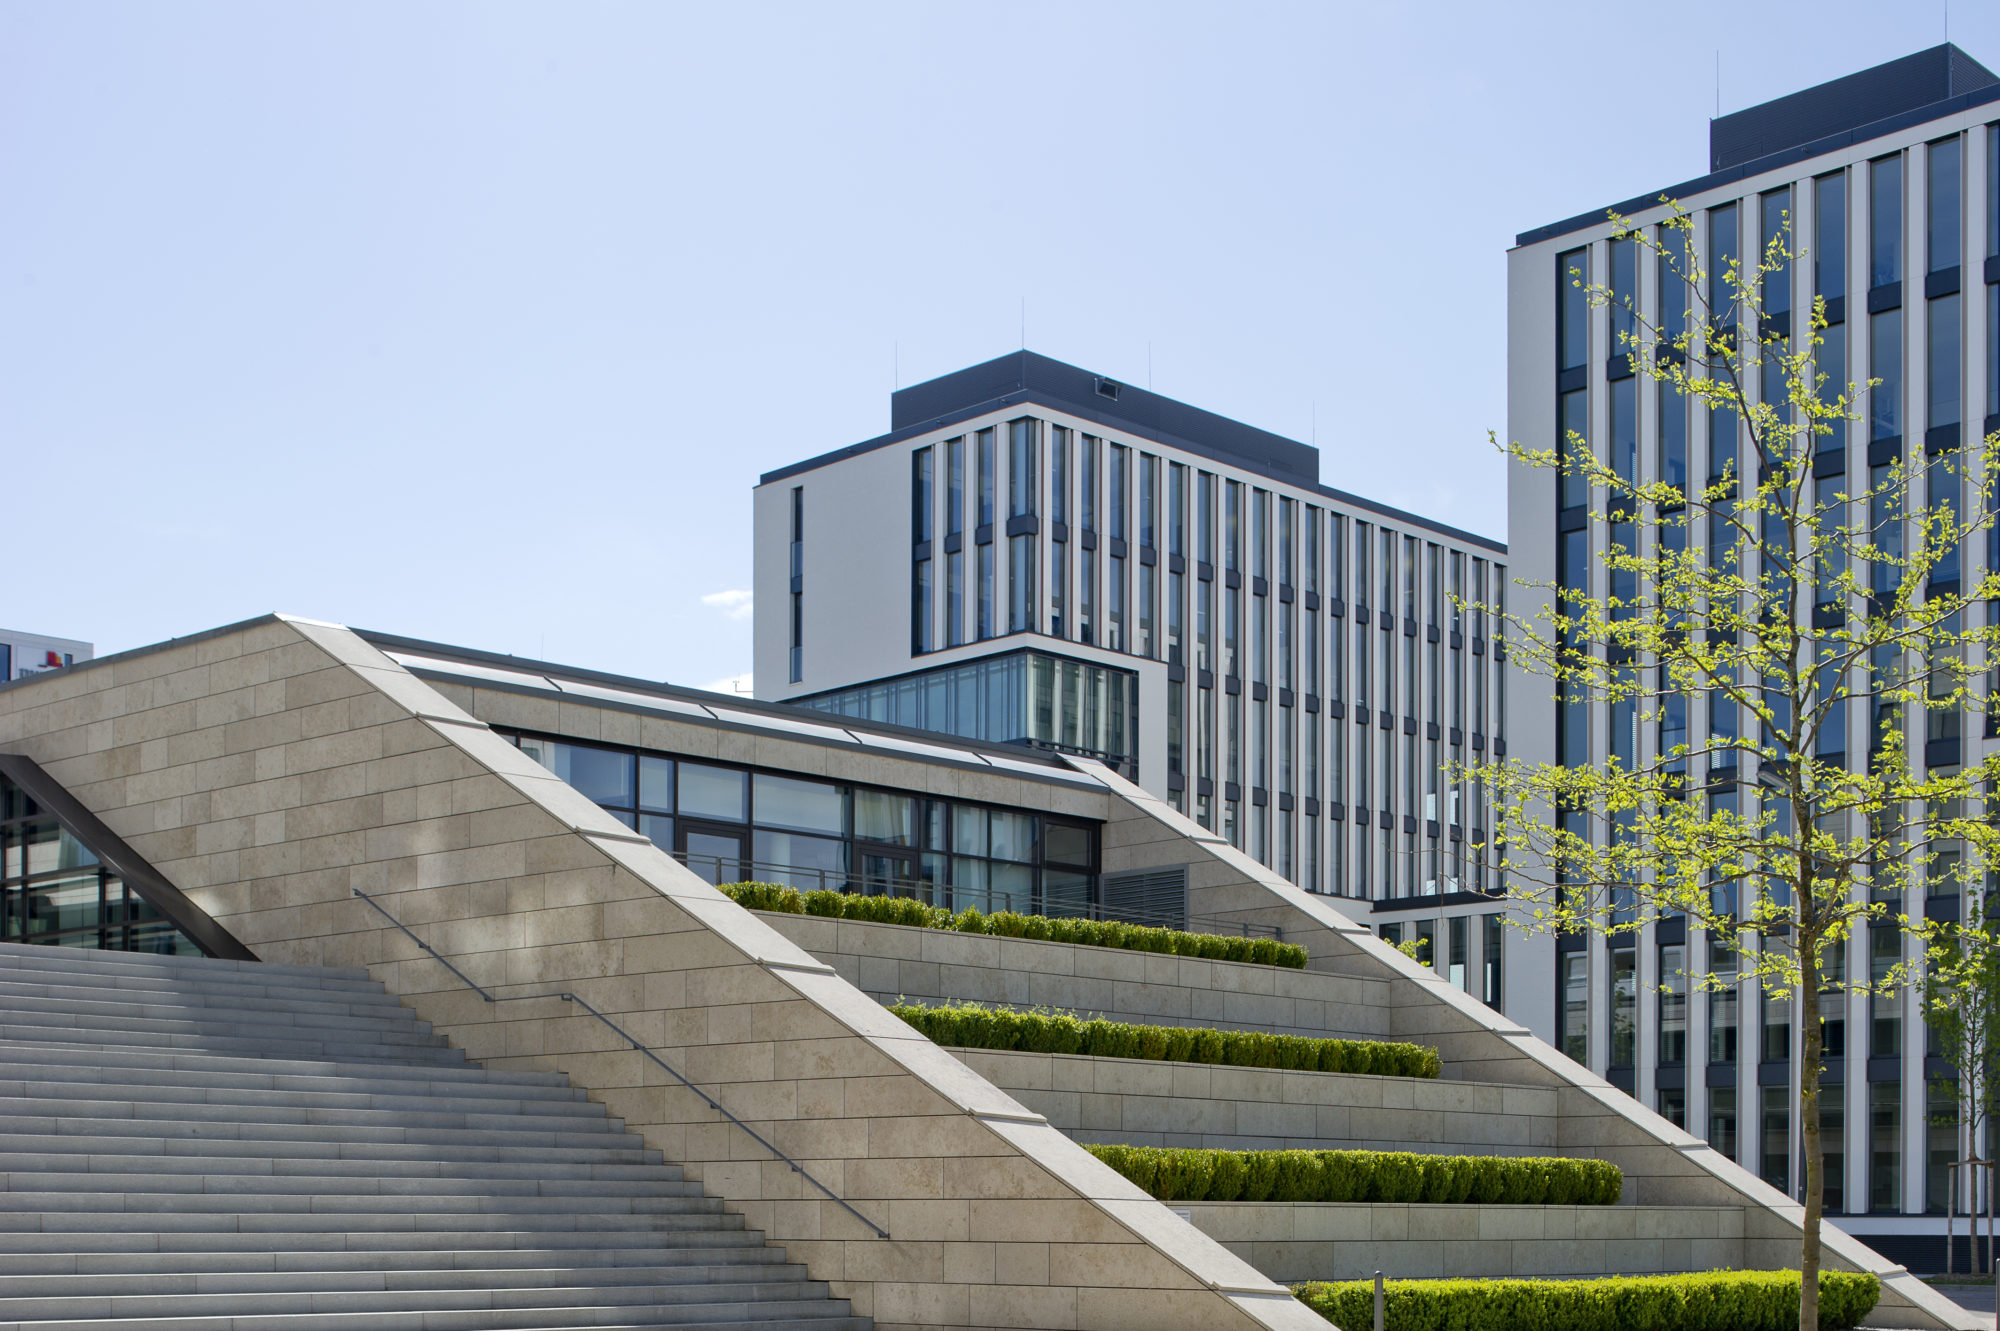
1889,180
1039,554
24,654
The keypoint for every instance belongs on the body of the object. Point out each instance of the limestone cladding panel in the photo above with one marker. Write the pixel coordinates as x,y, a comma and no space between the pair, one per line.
893,961
1143,1103
270,769
1327,1241
1663,1163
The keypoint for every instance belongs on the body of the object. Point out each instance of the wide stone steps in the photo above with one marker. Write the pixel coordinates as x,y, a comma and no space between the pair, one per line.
202,1146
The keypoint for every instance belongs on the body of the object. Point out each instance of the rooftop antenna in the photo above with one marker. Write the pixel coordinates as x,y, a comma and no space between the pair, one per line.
1149,365
1315,424
1024,323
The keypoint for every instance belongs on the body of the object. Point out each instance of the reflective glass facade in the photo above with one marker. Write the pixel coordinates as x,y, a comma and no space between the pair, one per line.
53,889
735,824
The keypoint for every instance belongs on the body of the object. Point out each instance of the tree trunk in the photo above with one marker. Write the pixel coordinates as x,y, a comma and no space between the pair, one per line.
1815,1164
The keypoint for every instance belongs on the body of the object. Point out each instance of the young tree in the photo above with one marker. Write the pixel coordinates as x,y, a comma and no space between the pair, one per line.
1961,987
1779,592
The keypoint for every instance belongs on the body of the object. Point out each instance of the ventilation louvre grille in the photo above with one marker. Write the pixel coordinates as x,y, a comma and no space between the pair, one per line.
1156,896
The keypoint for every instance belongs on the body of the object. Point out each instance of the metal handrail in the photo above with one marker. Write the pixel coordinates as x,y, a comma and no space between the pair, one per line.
624,1035
712,869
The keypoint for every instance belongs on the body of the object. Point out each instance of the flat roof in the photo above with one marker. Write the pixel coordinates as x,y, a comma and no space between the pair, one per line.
1022,377
438,661
1842,112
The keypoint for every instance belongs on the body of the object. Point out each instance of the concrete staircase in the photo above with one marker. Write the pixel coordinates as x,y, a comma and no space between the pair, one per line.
193,1145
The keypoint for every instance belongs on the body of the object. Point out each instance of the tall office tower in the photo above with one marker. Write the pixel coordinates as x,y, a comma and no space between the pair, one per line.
1888,180
1039,554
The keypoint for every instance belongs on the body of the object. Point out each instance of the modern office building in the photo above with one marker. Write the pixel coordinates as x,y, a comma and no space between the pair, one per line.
24,654
350,979
1888,178
1038,554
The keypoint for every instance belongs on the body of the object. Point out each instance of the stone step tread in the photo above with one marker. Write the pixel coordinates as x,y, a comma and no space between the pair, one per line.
325,1245
34,993
410,1264
448,1299
51,1053
331,1095
36,955
610,1135
161,1283
624,1150
361,1078
56,1163
399,1185
55,1013
200,1111
404,1049
817,1316
434,1202
358,1222
221,984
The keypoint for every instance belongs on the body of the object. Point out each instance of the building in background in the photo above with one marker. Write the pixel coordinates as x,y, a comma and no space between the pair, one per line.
1891,181
23,654
1038,554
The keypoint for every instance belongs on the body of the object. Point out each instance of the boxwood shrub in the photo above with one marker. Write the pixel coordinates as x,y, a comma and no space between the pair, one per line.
1008,924
1193,1174
976,1027
1704,1301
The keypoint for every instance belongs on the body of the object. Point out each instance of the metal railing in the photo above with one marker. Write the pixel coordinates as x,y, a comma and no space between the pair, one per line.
736,869
622,1034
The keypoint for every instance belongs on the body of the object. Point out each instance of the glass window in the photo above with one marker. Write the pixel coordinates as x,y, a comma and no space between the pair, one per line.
1885,221
986,463
1024,474
1885,362
1624,1006
808,863
1058,474
1013,836
1624,295
604,776
1943,237
810,806
1722,1120
1673,1004
1573,309
885,817
1829,257
1724,239
1777,292
1576,1005
954,489
713,792
1775,1154
656,784
1885,1146
920,495
1944,355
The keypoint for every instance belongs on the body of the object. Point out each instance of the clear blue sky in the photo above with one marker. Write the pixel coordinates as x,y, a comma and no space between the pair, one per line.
478,321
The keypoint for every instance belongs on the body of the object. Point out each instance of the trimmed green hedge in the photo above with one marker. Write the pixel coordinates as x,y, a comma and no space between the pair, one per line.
1007,924
978,1027
1193,1174
1707,1301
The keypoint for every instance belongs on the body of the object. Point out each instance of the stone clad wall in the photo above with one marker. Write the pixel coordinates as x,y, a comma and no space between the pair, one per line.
271,768
1142,1103
1664,1165
892,961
